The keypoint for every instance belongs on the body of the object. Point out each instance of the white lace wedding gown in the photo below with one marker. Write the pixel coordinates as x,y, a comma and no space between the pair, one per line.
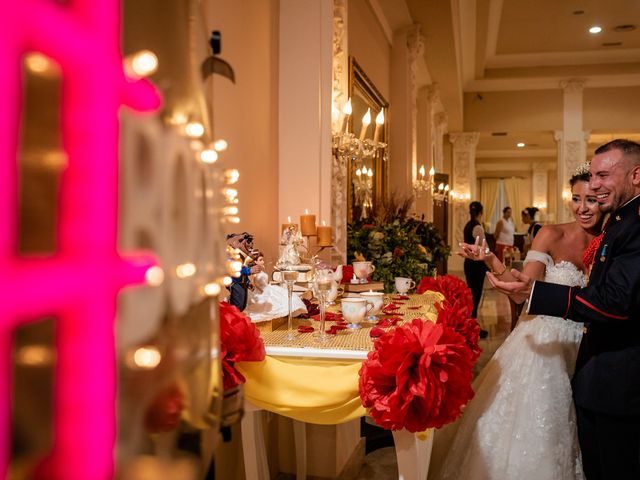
521,423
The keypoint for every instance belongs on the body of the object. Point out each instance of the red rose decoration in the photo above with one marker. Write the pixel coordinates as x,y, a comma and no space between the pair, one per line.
312,309
453,288
334,329
376,332
457,317
417,377
398,252
329,317
240,342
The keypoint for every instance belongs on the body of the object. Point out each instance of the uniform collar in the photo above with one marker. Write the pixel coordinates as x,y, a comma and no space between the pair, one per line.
632,206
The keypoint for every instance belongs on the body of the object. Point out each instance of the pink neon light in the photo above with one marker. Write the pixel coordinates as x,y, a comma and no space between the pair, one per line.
80,284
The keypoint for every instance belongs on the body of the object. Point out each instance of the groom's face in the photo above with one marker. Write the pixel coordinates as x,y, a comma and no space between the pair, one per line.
611,180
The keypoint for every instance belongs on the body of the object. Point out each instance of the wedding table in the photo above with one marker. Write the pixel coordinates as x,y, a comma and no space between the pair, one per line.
318,383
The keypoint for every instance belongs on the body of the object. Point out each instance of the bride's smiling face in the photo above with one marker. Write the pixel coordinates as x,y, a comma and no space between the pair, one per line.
584,205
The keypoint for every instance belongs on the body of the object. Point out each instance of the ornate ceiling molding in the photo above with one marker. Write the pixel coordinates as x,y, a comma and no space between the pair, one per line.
572,86
464,140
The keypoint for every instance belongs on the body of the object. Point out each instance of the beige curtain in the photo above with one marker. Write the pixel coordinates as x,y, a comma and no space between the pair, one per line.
512,187
488,196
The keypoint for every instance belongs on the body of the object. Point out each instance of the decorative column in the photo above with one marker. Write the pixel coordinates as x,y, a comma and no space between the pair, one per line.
464,181
431,127
408,45
423,204
572,145
440,129
311,33
340,96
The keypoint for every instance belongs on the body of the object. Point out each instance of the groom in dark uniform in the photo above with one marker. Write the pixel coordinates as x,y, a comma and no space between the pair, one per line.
606,384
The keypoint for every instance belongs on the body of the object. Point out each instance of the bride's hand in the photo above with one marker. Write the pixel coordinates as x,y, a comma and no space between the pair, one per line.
517,290
477,252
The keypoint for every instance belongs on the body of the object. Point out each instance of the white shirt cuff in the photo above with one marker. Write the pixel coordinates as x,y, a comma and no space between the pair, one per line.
530,295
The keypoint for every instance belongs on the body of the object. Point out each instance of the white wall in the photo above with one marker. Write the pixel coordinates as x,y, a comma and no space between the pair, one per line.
246,113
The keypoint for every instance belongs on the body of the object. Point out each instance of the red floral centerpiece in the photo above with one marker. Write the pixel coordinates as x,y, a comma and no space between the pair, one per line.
454,289
457,318
240,342
417,377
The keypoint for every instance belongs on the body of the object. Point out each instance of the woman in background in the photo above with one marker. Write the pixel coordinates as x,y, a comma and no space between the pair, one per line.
505,229
474,272
529,218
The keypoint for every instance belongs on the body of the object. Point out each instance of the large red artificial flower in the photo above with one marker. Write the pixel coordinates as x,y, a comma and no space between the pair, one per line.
240,342
457,317
417,377
454,289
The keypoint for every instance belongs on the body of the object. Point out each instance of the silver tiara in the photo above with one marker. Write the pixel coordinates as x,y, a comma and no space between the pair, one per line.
582,169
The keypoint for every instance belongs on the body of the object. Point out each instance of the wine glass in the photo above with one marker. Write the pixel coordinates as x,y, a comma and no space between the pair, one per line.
290,277
322,286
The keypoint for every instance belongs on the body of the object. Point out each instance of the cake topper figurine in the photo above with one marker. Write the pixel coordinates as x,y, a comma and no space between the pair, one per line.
290,240
243,245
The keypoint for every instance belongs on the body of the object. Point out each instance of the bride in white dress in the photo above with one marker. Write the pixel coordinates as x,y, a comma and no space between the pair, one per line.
521,423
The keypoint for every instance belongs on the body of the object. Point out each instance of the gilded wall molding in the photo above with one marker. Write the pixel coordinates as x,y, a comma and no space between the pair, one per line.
340,95
464,177
571,153
415,50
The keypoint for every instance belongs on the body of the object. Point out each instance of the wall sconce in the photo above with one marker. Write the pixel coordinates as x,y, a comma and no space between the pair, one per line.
347,145
460,197
439,191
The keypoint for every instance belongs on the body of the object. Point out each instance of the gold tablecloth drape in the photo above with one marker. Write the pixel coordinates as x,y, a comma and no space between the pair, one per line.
320,391
311,391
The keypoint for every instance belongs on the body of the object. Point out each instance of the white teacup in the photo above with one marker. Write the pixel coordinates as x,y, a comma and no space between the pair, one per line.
403,285
354,310
375,300
362,270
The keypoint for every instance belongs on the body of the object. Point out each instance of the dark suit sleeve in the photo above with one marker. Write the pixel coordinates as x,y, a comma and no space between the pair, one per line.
615,298
550,299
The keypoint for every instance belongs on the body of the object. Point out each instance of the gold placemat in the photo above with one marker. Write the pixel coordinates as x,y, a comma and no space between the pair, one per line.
417,306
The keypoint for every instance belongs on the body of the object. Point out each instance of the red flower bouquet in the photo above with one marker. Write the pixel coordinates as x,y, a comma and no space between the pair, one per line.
453,288
240,342
417,377
457,318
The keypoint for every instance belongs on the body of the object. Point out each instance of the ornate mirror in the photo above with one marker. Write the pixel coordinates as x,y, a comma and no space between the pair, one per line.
366,173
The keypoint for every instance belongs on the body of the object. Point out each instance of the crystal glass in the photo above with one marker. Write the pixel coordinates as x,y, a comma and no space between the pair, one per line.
322,287
290,278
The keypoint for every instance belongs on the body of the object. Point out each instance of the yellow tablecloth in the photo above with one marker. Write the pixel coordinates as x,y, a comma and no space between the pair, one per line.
317,391
311,391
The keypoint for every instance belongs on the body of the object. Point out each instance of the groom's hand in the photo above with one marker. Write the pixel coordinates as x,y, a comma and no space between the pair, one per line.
517,290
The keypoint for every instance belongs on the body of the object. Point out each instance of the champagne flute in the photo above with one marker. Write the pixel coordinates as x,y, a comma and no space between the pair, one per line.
322,288
290,278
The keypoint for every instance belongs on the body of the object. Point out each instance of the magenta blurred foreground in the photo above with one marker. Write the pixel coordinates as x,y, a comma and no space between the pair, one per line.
80,283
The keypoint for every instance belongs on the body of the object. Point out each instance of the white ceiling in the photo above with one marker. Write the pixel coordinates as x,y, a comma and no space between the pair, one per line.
510,45
553,37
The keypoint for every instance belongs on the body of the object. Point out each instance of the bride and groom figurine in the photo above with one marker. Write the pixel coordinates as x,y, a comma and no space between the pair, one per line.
251,291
